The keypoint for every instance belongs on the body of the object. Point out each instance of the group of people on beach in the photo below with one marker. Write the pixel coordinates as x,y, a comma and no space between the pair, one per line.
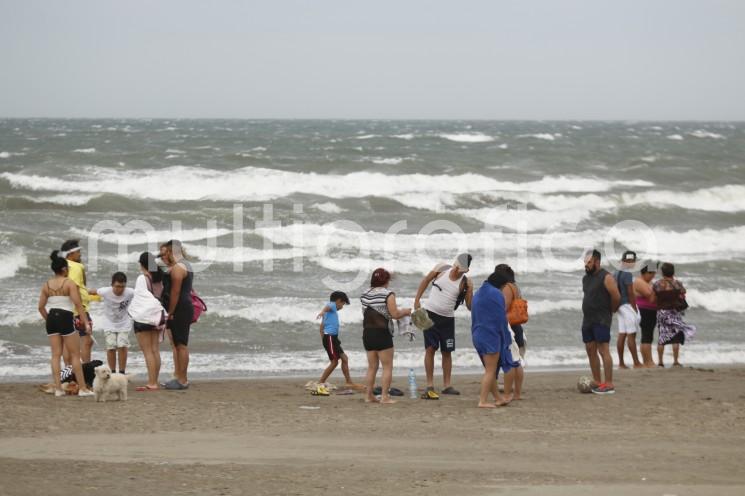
160,304
498,311
641,303
497,331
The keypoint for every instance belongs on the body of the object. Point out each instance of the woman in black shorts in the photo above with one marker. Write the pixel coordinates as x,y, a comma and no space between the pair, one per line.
59,297
379,309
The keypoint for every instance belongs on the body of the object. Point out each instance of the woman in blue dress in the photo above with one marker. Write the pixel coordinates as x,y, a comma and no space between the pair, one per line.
492,340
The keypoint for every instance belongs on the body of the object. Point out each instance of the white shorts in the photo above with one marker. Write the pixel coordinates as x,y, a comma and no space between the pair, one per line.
116,339
628,320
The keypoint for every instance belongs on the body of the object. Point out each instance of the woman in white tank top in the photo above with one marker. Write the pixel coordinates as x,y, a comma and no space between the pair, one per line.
59,297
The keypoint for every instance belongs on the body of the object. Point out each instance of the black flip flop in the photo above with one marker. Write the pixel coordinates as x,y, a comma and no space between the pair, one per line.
392,391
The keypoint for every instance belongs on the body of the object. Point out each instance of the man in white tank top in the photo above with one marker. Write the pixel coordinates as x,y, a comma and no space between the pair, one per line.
450,287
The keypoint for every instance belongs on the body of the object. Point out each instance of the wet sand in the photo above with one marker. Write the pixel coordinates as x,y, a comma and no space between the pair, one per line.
673,431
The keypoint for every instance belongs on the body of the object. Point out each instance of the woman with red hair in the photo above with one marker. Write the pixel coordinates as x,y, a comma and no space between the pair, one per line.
379,309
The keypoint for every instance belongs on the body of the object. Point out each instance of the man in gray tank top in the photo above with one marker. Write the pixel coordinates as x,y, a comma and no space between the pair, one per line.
601,300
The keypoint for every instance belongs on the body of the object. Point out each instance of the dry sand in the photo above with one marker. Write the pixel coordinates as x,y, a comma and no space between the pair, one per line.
665,432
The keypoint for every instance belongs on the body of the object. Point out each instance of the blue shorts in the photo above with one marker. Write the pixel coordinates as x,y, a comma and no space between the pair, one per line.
597,333
506,361
442,334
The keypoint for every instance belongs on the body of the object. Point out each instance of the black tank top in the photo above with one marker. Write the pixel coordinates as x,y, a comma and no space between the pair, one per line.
596,302
184,298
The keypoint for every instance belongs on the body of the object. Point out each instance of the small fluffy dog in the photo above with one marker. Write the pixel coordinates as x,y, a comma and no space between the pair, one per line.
108,385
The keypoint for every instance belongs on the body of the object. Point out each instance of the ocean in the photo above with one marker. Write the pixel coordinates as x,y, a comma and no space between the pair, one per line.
277,214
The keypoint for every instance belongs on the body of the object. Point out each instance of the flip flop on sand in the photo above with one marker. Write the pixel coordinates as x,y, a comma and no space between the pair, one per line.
430,394
175,385
320,391
450,390
392,391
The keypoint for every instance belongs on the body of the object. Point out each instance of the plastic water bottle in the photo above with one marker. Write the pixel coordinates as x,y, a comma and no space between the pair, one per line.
412,385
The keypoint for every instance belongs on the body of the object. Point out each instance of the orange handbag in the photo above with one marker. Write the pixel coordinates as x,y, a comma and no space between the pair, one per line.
518,312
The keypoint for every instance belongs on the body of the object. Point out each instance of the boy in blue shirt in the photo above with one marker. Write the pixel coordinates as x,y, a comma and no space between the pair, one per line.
330,336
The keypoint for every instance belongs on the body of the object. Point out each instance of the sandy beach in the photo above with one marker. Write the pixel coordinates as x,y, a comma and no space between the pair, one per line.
674,431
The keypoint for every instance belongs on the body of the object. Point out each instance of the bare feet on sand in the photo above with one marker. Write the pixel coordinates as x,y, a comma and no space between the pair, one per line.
354,386
621,366
487,405
372,399
387,401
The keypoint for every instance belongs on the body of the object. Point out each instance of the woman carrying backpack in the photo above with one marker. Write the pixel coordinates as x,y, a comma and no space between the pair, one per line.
517,311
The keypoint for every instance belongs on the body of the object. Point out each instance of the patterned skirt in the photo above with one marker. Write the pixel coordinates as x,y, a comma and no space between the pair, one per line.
670,324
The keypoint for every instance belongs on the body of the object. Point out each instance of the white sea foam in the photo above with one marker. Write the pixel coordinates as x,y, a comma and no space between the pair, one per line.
408,355
729,198
503,146
336,248
525,219
366,136
154,236
85,150
260,184
719,300
467,137
387,161
675,137
541,136
67,200
304,310
175,151
328,207
700,133
407,136
14,259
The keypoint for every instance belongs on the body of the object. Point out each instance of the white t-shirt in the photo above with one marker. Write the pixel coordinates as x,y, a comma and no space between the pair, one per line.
115,316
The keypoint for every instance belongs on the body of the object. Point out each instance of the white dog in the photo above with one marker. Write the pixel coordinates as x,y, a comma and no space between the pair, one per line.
108,385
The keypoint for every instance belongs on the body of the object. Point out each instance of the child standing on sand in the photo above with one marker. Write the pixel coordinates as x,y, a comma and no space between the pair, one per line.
116,322
330,337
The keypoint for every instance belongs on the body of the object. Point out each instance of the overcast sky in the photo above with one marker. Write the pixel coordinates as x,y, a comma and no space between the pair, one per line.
404,59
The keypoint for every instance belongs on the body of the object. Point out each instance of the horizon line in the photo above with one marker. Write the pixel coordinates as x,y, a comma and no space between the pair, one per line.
352,119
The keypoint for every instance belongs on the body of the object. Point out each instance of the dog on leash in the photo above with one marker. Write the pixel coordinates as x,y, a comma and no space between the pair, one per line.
108,385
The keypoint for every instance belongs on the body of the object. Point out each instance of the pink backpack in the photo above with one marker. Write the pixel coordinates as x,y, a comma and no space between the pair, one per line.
199,306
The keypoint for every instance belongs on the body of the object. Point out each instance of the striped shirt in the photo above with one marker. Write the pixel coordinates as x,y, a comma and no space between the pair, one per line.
377,299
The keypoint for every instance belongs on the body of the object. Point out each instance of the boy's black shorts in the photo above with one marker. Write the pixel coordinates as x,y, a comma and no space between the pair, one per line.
332,345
